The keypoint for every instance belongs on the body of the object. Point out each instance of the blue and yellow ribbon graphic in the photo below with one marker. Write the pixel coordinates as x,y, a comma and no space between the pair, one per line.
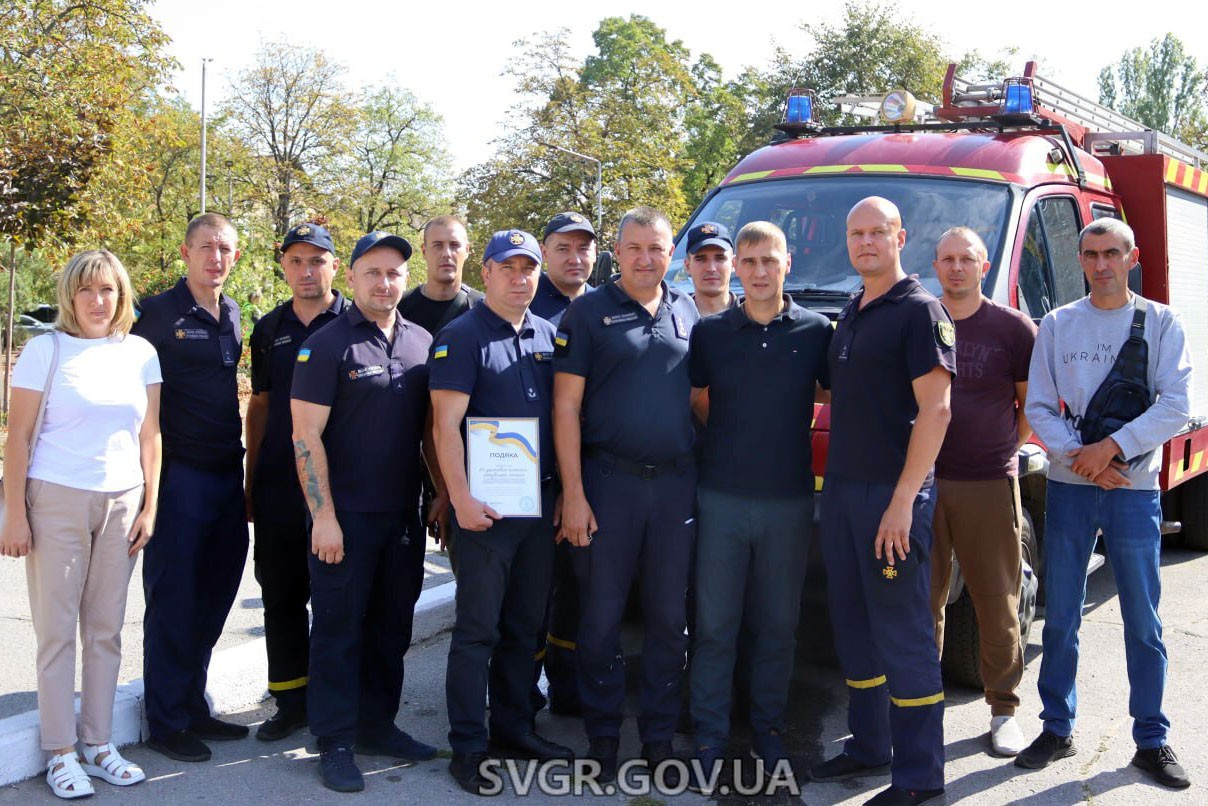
505,438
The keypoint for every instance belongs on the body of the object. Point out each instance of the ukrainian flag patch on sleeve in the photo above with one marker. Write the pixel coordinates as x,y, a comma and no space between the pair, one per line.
303,355
562,338
441,351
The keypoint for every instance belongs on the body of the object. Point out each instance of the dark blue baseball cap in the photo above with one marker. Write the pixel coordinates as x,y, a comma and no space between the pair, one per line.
709,233
509,242
567,222
308,233
380,238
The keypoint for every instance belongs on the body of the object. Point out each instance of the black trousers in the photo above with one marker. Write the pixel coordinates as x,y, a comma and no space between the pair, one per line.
363,610
281,549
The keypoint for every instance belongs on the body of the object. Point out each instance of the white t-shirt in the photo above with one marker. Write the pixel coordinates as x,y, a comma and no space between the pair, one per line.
89,437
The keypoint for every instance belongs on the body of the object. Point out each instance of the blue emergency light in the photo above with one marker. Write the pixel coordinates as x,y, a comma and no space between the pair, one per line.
1017,96
800,109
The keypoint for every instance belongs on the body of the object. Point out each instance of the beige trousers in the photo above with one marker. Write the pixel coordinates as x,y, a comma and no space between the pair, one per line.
78,571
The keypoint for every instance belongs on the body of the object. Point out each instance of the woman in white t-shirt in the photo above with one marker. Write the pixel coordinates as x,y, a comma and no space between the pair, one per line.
82,506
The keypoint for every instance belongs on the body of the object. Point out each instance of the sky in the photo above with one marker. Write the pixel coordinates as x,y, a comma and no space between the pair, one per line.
451,57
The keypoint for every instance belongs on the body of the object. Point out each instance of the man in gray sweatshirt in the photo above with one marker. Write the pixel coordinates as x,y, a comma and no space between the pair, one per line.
1111,484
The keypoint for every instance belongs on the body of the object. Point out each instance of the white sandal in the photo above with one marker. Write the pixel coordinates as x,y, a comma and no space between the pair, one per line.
113,769
69,781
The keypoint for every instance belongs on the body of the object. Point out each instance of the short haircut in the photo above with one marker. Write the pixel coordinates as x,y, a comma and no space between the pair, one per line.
643,216
88,267
1109,226
979,246
441,221
756,232
212,221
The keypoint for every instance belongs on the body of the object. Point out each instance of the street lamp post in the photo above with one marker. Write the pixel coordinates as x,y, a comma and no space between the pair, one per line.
230,188
599,181
204,61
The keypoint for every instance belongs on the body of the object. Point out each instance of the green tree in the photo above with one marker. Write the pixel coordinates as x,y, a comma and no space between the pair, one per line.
1162,86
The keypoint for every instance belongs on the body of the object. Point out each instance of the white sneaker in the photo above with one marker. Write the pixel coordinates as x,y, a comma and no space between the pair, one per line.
1006,737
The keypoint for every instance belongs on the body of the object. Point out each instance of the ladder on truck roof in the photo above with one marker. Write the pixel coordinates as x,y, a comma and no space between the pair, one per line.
1095,127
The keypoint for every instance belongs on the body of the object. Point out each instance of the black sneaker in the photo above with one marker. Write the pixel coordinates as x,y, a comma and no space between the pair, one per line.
1161,764
897,796
181,746
286,722
338,770
843,766
1047,748
398,744
604,750
215,730
656,755
466,769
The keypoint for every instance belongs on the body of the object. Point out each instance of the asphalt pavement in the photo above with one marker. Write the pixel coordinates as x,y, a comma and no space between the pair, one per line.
286,771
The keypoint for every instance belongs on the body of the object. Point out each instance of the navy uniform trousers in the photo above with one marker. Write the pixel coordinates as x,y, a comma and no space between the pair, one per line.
191,573
281,550
363,610
646,531
884,633
502,589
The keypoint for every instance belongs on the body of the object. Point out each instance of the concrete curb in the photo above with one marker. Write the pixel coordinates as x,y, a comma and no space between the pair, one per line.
236,681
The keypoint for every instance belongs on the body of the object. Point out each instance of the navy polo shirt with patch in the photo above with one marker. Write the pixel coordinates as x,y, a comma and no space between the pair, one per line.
761,381
549,303
378,394
275,342
875,355
198,355
506,373
635,400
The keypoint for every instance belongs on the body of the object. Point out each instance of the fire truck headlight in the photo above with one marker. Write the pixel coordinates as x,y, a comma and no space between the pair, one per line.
897,107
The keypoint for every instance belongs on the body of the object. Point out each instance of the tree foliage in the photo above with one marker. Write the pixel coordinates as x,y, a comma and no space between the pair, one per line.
1161,86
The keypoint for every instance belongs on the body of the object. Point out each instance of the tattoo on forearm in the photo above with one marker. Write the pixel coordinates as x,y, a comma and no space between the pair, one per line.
306,472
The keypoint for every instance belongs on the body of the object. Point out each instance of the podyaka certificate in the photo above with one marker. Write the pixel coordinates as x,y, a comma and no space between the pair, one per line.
503,464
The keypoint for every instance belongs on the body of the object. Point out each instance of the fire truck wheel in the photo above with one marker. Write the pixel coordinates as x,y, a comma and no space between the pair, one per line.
961,663
1194,512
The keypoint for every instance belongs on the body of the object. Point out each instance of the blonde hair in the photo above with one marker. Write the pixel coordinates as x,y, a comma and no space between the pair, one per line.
87,267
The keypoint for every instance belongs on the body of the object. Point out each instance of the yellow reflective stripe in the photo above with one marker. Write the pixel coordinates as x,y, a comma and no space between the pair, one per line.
288,685
817,484
750,176
828,169
979,173
1202,185
873,683
539,656
560,642
1172,170
918,701
897,169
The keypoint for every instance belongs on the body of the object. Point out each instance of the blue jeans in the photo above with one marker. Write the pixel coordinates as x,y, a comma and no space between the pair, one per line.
1129,520
747,550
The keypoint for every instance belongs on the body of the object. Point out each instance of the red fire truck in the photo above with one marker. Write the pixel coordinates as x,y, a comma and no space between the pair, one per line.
1026,164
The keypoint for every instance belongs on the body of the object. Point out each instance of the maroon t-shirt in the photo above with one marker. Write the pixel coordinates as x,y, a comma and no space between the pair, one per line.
993,349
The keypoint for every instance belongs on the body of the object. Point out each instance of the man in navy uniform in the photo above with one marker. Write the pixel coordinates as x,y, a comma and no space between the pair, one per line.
569,250
497,362
191,571
360,401
710,262
568,247
624,434
755,370
275,501
891,364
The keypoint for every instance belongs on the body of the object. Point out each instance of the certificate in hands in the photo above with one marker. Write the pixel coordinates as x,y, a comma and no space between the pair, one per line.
503,464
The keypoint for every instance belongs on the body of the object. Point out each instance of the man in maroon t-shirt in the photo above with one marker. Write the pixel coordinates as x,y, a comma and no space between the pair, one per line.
978,514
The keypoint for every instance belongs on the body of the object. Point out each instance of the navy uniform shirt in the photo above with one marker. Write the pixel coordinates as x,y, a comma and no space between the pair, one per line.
275,342
199,404
761,382
378,394
506,373
874,356
635,402
549,303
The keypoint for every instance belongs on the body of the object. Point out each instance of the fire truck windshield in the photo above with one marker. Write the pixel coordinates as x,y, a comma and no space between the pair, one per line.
812,211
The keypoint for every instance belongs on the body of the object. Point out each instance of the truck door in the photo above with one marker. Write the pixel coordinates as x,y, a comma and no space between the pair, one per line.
1047,256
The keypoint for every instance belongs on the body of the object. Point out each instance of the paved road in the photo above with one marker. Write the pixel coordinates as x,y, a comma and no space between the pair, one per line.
249,771
18,680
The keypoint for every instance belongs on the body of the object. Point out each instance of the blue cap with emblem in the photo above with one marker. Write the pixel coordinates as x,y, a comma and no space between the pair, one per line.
380,238
312,234
709,233
567,222
510,242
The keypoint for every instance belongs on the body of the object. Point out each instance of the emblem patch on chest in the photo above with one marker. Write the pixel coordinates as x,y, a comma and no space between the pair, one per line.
364,372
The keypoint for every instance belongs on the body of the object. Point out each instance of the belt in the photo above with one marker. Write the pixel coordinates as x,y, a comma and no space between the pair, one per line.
641,469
